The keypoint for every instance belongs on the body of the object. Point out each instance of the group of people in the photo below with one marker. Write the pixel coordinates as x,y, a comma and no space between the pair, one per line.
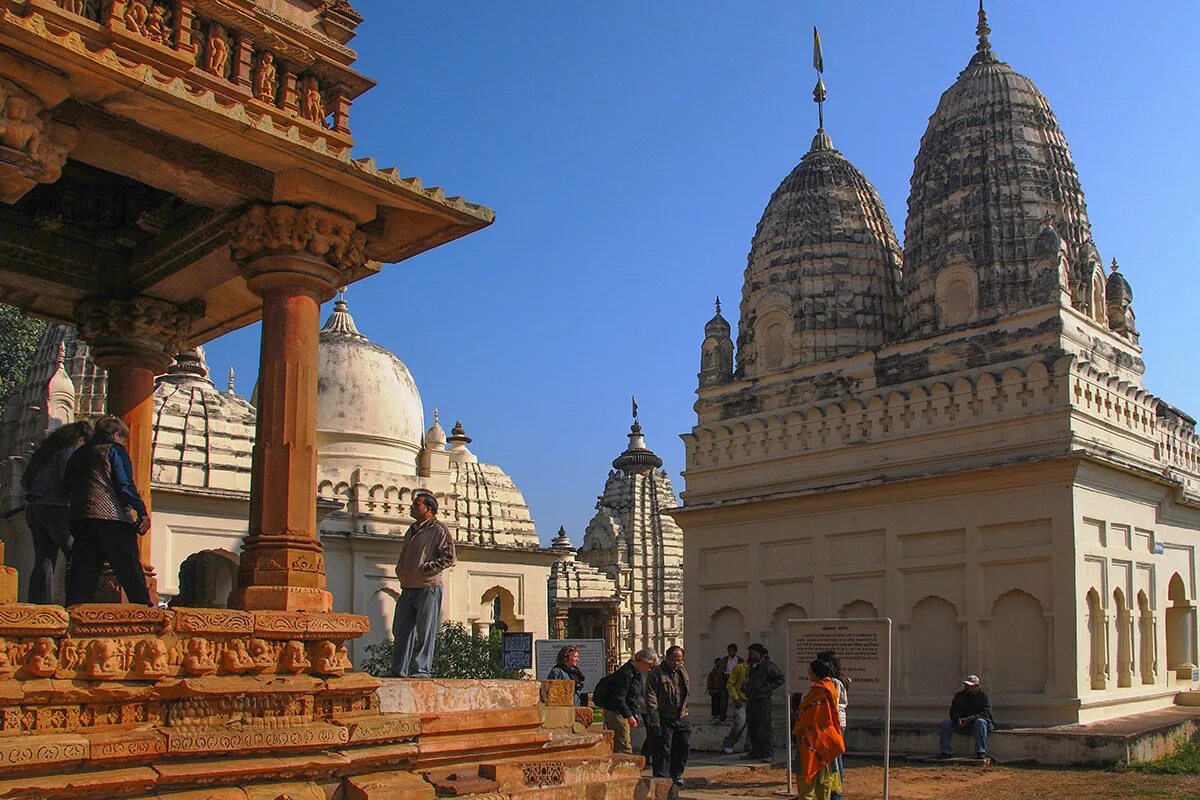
81,501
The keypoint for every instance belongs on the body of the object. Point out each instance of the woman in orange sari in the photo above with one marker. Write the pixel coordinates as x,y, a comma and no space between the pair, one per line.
818,736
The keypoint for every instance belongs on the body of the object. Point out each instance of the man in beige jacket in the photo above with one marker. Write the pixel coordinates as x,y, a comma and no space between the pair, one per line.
427,552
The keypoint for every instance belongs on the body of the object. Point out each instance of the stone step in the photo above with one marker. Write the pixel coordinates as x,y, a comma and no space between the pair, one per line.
521,775
494,719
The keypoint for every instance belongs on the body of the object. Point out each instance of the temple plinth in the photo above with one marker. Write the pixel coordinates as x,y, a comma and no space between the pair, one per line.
293,258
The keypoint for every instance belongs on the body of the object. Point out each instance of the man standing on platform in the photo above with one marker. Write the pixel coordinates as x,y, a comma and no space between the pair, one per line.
763,678
667,689
427,552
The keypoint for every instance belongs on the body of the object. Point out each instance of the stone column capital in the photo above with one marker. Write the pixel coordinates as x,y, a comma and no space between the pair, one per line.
288,245
138,331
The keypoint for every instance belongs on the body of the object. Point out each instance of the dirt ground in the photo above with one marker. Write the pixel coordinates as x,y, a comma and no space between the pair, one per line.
936,781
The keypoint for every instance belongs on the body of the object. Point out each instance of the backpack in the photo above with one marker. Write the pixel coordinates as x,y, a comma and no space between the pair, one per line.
601,695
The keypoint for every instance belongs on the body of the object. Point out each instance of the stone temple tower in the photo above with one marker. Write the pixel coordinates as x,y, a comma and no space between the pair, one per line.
634,541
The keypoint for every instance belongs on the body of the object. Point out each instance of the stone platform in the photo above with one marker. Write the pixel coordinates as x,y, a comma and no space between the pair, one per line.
1138,737
114,701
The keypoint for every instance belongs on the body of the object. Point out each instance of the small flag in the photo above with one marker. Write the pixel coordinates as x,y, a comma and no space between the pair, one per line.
818,58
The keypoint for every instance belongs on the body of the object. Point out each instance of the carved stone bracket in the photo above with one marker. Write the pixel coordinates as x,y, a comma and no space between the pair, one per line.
139,331
33,147
311,231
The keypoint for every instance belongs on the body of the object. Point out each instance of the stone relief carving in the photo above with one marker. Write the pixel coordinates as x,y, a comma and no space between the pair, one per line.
7,667
293,659
150,658
199,660
216,58
544,773
103,659
42,660
138,318
236,658
308,229
262,656
149,19
266,81
329,659
314,105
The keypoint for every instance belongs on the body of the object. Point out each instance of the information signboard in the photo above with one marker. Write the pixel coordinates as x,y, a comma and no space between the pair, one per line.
860,644
591,658
516,650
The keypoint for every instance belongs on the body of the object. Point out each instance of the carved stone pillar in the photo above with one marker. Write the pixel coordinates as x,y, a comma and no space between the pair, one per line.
134,339
243,62
560,624
293,258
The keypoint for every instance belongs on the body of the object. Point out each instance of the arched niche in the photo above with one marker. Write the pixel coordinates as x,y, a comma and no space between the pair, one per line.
1097,626
1018,644
1181,628
726,626
206,579
779,636
937,647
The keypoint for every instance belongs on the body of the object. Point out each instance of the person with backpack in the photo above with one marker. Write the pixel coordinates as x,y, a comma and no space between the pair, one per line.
620,695
47,505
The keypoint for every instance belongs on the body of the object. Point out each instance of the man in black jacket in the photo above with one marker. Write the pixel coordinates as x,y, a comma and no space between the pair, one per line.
763,678
970,713
621,698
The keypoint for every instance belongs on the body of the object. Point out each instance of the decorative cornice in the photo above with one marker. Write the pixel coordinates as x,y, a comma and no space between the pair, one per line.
278,229
139,331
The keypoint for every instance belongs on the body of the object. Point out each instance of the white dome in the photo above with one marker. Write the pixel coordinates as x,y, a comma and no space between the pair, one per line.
369,411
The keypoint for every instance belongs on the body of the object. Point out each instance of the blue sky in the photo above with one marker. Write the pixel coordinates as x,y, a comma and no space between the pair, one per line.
629,148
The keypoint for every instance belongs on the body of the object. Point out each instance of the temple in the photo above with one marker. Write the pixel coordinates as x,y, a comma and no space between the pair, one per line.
955,435
625,582
171,170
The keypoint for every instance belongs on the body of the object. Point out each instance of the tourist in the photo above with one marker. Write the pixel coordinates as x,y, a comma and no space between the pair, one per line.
735,688
621,695
818,736
47,505
732,659
716,688
566,668
840,682
427,552
970,713
762,679
667,690
104,501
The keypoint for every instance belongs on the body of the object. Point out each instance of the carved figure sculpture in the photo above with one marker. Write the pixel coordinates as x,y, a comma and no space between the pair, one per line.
136,14
266,82
326,661
236,658
150,658
314,105
217,61
72,6
156,24
103,659
20,129
42,660
7,668
69,654
199,660
261,655
293,658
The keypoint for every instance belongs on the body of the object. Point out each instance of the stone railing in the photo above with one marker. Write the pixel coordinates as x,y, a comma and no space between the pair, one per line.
919,409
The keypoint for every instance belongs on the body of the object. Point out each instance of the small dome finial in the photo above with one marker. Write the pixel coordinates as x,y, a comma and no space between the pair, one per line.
340,322
983,50
229,387
1114,265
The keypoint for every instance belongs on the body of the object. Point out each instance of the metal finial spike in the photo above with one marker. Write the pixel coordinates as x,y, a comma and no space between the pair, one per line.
718,304
342,293
1114,265
435,416
229,386
635,408
983,31
819,91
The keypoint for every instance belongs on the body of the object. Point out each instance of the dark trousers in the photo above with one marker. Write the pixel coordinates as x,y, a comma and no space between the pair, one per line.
719,701
51,533
758,725
671,747
97,541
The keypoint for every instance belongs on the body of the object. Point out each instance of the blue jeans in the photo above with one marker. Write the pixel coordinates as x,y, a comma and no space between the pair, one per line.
415,630
979,727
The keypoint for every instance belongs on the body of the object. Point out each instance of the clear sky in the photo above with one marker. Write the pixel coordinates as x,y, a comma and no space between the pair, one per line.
629,148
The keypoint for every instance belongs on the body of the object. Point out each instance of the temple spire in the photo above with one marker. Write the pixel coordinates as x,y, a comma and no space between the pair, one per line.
983,50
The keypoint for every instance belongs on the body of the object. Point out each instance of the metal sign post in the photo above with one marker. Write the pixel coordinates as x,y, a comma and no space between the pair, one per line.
864,648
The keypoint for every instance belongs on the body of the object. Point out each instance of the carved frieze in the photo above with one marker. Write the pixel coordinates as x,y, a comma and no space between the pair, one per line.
97,619
23,619
151,19
271,229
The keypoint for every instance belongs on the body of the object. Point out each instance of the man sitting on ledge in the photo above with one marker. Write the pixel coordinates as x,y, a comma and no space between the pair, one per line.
970,713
